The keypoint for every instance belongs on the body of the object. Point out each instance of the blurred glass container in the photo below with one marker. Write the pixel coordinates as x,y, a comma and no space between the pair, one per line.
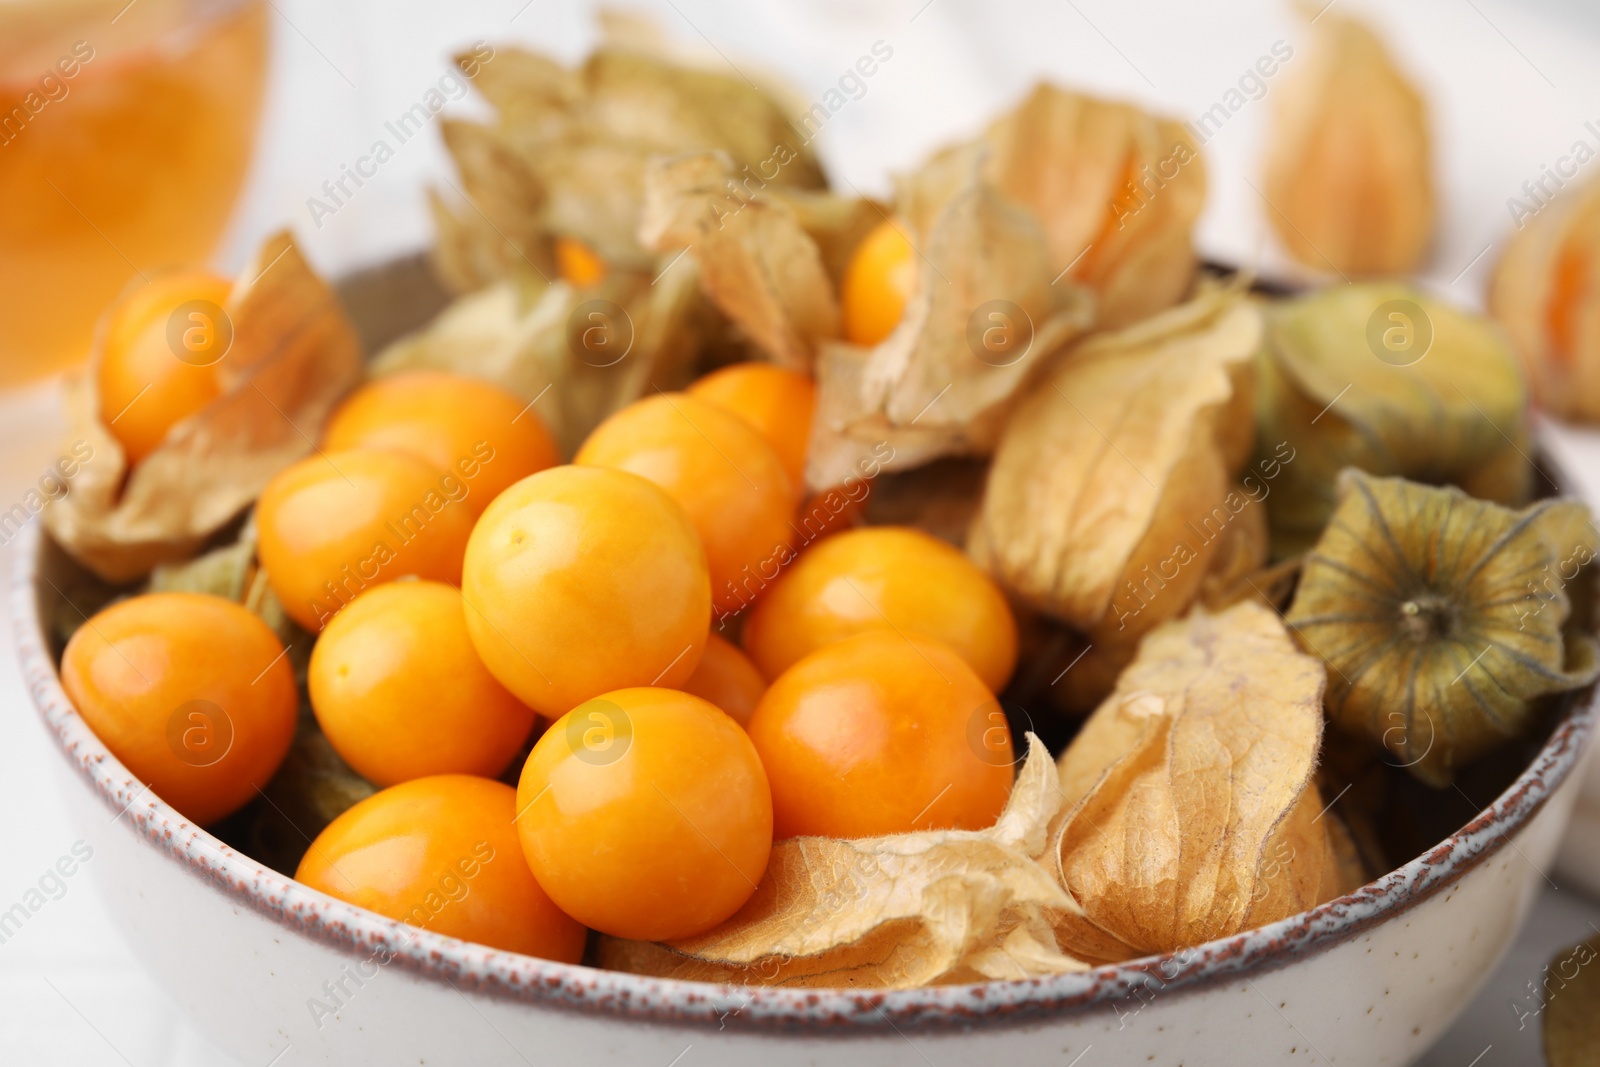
125,133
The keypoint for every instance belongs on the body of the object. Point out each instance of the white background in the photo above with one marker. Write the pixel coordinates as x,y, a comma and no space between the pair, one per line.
1511,88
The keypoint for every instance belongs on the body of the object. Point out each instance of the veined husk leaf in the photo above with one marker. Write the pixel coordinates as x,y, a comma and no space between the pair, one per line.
1441,617
1546,293
1190,811
1455,411
1348,182
1116,188
757,262
537,349
294,354
889,912
567,152
1114,493
931,388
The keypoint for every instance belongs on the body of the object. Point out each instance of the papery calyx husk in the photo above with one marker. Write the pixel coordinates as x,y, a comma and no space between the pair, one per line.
1116,189
900,911
1116,487
1190,810
567,151
293,355
575,355
1382,377
758,250
1546,293
1348,180
983,317
1442,618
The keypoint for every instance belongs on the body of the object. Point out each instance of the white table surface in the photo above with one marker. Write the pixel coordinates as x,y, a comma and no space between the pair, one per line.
1512,87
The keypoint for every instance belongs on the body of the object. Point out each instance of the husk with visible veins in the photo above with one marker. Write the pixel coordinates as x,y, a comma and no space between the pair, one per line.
1114,494
567,152
924,390
1190,812
757,262
535,348
1348,179
889,912
294,354
1116,189
1442,617
1456,413
1546,293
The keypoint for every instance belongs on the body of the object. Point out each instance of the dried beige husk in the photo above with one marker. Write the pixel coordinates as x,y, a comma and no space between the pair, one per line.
1116,189
1546,293
294,354
1568,995
1115,491
575,355
1382,377
1442,617
1190,811
567,152
937,386
757,262
889,912
1348,178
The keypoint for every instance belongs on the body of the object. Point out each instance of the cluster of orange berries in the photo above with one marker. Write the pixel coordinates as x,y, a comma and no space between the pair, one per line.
583,596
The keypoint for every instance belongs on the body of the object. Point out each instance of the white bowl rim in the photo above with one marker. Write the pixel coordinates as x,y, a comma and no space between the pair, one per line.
836,1012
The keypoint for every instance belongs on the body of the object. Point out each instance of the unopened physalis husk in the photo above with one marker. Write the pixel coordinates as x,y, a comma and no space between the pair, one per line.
1117,487
566,154
1546,293
294,353
1385,378
1348,180
890,912
1190,812
1116,188
1442,617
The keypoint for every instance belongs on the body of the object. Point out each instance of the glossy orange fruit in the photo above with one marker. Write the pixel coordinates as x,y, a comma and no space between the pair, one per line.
400,691
884,577
472,430
877,284
645,813
338,523
580,265
882,734
146,385
580,580
192,693
778,402
442,853
722,472
728,679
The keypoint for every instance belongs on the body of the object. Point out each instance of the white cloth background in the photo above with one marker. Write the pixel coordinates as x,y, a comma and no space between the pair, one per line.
1511,88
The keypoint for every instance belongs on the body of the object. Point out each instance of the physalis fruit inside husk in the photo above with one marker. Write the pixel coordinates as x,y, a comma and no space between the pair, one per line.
1191,812
1442,618
1387,379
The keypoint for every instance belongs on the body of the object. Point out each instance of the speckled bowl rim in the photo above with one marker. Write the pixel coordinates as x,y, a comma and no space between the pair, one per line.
820,1012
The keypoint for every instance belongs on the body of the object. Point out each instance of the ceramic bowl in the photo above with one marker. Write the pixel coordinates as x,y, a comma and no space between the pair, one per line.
277,973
